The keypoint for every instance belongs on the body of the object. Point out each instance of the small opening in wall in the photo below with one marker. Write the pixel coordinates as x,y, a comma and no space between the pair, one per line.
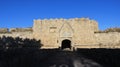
53,29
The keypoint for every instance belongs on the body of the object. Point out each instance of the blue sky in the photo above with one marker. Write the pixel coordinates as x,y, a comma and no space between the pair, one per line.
21,13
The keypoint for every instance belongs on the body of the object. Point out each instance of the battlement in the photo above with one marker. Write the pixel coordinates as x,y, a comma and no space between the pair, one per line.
11,30
61,19
84,24
20,30
79,32
3,30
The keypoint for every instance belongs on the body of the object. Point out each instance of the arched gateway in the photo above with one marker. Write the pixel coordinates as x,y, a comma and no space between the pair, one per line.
65,33
66,44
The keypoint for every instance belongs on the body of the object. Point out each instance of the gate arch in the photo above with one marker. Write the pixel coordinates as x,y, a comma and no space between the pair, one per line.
66,44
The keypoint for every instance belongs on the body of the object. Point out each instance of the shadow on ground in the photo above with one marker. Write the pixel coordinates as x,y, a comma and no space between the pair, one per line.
105,57
31,57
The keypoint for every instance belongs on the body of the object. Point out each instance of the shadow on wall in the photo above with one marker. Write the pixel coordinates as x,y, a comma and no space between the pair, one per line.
11,43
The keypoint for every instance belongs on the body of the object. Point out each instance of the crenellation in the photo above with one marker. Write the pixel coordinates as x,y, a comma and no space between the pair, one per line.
20,29
61,19
76,19
78,31
82,19
45,20
4,30
39,20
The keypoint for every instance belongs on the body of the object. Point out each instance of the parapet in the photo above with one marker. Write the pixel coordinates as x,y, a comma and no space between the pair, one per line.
3,30
6,30
21,30
61,19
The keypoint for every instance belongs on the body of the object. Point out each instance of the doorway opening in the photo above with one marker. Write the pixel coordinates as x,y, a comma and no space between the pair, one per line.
66,44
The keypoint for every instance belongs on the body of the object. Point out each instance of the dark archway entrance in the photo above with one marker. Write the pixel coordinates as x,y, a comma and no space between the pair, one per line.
66,44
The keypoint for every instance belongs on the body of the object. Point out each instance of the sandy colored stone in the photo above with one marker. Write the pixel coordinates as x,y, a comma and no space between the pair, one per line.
79,31
3,30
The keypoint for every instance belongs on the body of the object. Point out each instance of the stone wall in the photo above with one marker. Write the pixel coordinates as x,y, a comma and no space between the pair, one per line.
111,39
20,29
53,31
80,31
17,32
3,30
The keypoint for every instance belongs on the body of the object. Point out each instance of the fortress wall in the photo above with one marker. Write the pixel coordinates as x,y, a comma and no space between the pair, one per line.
80,31
85,24
81,28
84,32
19,34
3,30
94,25
20,30
41,30
37,26
111,38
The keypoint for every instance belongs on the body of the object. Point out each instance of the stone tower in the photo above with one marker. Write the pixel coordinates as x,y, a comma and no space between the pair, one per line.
65,33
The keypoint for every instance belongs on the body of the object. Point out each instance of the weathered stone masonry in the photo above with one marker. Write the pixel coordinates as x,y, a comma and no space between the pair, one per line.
76,32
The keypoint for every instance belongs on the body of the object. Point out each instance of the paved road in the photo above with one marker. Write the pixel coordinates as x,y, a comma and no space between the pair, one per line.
67,59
